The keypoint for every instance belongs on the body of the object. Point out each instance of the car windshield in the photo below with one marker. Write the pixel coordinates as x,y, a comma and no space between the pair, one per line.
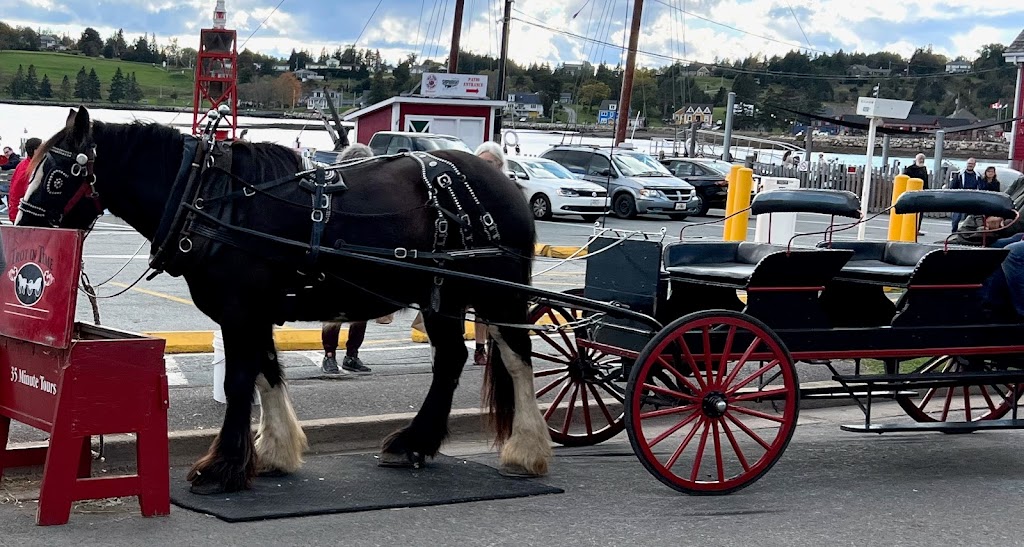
633,164
721,168
428,144
547,170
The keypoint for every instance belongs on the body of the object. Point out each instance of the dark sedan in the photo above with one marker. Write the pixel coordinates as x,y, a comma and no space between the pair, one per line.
707,177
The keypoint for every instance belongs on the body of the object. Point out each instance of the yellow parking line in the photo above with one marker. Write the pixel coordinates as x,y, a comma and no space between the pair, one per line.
165,296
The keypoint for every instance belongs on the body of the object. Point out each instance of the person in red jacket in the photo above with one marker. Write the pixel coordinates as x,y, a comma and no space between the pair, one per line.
19,180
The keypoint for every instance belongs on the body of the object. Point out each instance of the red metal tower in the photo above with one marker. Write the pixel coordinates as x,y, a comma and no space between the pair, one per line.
216,74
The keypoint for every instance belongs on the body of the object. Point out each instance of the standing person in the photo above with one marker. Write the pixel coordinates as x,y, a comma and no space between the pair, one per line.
968,180
357,329
989,182
9,160
19,180
917,170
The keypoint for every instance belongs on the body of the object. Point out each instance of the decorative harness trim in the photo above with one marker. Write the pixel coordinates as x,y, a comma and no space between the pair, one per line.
81,168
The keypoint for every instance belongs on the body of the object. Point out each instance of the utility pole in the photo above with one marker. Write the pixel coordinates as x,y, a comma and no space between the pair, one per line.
622,110
453,55
500,89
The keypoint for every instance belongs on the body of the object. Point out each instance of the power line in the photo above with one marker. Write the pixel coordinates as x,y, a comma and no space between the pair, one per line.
794,75
258,27
367,23
730,27
798,25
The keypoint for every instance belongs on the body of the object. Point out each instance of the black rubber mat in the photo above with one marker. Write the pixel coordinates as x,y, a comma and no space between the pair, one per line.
350,483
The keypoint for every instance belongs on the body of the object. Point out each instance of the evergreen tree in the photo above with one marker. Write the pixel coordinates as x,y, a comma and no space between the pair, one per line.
45,90
94,86
65,89
118,85
82,85
18,83
133,93
31,83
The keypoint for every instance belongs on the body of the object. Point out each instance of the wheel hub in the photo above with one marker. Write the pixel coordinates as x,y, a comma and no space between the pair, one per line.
714,405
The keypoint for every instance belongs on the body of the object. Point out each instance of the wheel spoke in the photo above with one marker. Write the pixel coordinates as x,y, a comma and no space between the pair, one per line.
718,451
565,337
690,361
679,375
558,399
586,410
758,414
751,378
612,392
552,343
927,397
682,446
671,393
945,407
549,372
667,411
708,364
543,391
743,360
967,403
665,434
726,351
750,433
735,446
988,399
568,411
600,403
700,452
759,394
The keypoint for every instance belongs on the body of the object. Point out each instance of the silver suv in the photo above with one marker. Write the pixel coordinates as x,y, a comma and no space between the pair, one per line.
636,182
394,142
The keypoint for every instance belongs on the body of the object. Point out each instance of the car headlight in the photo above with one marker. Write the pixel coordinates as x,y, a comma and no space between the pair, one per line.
568,193
646,193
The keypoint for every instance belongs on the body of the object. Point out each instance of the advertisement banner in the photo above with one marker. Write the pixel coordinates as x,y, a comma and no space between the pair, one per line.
435,84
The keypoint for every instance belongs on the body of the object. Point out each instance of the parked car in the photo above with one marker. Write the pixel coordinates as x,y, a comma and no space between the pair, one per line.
636,182
394,142
1005,175
708,177
552,190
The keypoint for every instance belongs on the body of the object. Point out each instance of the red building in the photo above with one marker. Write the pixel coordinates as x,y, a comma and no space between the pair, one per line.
471,120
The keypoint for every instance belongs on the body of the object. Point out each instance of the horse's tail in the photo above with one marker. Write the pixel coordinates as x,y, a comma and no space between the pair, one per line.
499,395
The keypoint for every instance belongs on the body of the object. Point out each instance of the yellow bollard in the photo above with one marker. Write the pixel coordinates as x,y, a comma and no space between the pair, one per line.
730,199
744,182
899,185
908,228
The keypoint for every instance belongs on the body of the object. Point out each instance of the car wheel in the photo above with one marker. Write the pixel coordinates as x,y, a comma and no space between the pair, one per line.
541,207
625,206
705,206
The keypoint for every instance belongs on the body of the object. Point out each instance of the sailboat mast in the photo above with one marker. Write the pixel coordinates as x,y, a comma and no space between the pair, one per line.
503,57
453,55
622,116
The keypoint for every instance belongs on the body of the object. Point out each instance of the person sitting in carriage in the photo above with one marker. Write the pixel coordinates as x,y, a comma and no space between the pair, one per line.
973,229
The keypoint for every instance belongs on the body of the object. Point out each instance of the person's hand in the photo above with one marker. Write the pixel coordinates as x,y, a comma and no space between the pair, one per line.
993,223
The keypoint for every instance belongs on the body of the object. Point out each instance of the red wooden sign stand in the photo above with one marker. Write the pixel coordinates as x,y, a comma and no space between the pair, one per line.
75,380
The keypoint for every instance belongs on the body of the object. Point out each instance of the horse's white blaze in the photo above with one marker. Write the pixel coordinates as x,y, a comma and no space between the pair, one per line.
280,440
529,447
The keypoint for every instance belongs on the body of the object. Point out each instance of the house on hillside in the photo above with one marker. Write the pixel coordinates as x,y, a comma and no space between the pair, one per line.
958,67
565,97
318,99
525,105
607,113
572,68
864,71
701,114
50,42
700,72
306,75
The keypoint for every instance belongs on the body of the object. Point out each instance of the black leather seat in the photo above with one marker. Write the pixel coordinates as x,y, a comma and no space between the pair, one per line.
722,263
882,262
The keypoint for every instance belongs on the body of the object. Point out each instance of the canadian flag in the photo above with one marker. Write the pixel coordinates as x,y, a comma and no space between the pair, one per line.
996,105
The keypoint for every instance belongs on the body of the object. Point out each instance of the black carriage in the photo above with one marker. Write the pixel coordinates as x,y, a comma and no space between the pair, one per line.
710,401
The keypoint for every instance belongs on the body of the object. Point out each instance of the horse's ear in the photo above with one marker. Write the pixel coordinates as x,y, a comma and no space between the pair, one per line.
70,122
81,127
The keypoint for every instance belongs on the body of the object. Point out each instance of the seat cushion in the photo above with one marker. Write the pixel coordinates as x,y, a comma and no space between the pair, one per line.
723,274
876,271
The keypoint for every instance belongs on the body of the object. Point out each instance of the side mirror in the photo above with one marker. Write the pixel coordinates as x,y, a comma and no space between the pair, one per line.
608,173
512,175
402,150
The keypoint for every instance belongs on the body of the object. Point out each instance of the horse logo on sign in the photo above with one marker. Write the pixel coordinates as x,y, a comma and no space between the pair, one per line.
29,283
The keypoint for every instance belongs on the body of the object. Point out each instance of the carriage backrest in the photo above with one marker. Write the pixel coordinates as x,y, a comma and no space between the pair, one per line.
807,200
626,272
970,202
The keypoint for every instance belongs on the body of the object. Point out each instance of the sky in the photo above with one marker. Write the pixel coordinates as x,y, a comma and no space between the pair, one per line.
555,31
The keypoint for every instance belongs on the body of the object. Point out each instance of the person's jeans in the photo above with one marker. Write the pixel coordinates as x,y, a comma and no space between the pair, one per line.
1000,243
1006,284
957,217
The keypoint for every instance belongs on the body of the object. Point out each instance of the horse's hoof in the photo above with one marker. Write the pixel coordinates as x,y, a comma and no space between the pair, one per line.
516,471
272,472
207,488
390,459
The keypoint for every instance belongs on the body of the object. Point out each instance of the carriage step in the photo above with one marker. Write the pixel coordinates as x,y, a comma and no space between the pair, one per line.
899,381
946,427
840,393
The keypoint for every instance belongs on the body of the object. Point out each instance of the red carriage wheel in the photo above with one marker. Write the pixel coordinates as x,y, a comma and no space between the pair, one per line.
712,402
579,389
960,403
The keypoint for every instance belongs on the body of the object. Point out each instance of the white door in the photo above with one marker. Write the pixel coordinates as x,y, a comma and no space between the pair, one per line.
471,131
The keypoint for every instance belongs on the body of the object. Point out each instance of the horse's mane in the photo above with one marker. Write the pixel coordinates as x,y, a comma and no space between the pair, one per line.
146,135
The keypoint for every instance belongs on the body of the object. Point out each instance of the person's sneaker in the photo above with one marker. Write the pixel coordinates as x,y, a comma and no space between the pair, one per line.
354,364
480,357
330,365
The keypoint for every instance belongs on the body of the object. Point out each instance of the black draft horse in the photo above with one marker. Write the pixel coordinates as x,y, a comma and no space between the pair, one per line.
131,169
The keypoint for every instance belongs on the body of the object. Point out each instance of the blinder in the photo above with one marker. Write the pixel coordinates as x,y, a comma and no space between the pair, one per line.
79,171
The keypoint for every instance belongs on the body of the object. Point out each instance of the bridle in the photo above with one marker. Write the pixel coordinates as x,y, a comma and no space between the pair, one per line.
80,173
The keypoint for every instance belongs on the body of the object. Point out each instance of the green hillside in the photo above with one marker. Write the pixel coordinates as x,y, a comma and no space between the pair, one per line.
157,84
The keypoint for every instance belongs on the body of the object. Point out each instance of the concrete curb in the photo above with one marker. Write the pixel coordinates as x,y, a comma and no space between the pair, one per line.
201,341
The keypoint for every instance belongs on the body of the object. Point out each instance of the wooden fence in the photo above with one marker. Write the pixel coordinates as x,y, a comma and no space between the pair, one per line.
851,178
